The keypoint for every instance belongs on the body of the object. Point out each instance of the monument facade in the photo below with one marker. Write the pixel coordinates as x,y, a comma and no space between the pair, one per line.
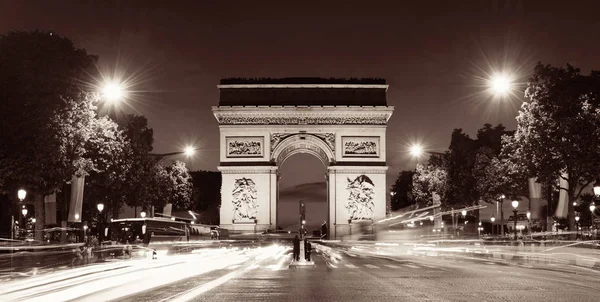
264,122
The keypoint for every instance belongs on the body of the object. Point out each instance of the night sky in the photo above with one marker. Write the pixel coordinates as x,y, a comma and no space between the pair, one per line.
432,53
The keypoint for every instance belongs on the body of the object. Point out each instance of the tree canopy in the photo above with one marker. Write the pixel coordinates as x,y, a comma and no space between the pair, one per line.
558,130
402,191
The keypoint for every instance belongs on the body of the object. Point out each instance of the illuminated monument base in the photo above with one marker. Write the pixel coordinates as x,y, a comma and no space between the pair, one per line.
343,125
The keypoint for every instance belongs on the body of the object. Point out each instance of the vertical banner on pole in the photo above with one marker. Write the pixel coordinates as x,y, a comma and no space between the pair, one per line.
50,206
167,209
563,200
535,198
76,204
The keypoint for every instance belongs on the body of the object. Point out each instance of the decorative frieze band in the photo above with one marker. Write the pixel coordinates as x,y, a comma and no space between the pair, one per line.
303,120
357,170
247,169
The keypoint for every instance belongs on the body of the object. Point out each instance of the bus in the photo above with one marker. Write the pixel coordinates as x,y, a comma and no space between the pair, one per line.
146,230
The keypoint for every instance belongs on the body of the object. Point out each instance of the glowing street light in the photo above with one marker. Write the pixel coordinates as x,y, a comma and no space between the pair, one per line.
24,211
597,187
515,204
21,194
143,214
464,213
189,151
100,207
416,150
112,91
500,84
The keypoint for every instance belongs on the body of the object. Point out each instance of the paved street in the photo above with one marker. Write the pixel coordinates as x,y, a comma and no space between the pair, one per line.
262,274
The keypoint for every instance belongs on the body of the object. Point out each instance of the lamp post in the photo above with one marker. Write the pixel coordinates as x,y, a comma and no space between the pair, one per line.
100,208
21,195
493,224
577,226
442,229
529,222
24,225
515,204
479,230
502,197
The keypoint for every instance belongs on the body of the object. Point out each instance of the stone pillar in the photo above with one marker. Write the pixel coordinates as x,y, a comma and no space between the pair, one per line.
274,198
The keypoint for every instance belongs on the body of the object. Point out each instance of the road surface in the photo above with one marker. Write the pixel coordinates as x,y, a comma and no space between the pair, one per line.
263,274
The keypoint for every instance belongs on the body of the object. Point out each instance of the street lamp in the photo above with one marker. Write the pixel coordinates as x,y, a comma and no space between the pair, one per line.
24,211
577,224
500,84
493,224
597,187
416,150
112,91
143,214
596,194
21,194
464,213
100,207
189,151
515,204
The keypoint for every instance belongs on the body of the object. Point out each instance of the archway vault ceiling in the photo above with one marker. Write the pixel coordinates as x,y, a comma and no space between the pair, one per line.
303,143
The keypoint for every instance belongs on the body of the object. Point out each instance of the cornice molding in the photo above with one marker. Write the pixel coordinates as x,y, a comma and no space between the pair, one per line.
357,170
302,115
247,169
254,86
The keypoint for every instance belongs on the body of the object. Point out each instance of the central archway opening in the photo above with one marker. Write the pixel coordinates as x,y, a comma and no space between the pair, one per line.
302,179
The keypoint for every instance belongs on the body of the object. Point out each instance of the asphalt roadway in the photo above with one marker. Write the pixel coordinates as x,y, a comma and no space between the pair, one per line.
338,275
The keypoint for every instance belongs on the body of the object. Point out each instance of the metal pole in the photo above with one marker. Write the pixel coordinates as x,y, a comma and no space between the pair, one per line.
12,227
515,217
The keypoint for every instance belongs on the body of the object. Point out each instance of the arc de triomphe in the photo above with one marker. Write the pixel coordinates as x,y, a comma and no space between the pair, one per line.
264,122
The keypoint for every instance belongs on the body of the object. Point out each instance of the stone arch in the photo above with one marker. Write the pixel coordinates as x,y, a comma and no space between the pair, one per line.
302,143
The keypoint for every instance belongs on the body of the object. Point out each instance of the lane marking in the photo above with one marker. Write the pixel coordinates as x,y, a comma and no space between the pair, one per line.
351,265
371,266
392,266
234,267
411,265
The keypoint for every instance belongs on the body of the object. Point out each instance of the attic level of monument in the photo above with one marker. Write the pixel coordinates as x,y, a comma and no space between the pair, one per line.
303,92
302,115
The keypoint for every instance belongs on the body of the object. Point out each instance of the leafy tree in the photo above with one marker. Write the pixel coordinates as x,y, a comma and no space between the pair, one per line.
428,179
402,191
48,123
129,182
558,130
174,185
468,162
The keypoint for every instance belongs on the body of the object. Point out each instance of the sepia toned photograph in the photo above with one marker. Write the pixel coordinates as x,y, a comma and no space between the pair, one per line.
291,151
